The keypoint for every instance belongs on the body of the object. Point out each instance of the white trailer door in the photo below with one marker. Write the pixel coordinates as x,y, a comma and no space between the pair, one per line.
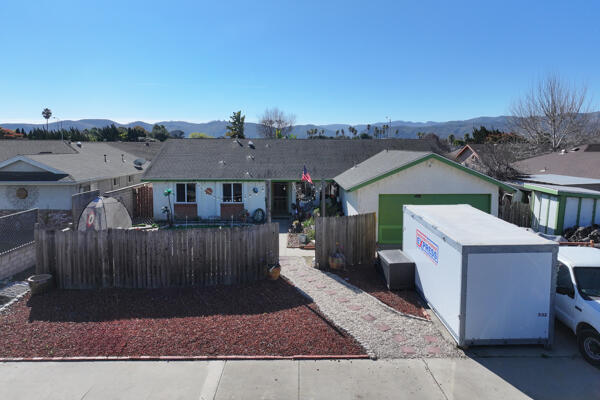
508,296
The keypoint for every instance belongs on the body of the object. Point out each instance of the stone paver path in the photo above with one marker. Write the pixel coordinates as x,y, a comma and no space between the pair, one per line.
381,330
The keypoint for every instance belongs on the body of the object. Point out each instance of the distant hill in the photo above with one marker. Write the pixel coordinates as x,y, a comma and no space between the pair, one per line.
406,129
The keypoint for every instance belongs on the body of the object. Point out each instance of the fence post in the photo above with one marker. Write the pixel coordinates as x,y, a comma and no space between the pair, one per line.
268,199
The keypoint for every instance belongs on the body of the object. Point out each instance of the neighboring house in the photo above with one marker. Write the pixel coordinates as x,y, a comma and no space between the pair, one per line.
582,161
45,174
564,188
218,178
468,155
390,179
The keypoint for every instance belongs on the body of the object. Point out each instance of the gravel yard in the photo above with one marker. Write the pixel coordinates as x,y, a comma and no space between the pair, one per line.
367,278
383,331
264,318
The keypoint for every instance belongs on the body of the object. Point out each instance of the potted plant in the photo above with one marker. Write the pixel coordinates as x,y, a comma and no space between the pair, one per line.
41,283
274,271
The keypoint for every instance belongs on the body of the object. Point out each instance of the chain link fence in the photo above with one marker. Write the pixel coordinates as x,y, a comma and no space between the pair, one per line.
17,229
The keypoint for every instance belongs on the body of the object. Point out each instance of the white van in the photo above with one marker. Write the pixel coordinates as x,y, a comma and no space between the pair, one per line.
577,301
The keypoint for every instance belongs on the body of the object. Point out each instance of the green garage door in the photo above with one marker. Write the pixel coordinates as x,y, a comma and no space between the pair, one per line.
390,210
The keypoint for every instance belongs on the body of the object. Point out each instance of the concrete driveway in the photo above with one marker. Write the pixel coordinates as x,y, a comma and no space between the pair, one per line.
482,378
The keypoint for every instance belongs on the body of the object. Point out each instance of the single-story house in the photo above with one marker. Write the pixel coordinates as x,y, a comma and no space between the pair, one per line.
555,208
390,179
581,161
564,188
215,178
44,174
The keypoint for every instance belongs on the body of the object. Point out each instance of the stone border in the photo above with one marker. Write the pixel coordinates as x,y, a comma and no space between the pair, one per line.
186,358
14,300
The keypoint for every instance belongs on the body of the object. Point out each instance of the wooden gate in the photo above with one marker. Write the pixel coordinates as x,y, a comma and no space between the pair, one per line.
355,236
144,207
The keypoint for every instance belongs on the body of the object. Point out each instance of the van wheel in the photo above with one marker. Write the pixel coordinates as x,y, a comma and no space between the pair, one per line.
589,346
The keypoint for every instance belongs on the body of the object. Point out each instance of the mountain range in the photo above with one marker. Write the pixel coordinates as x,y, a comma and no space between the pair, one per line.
406,129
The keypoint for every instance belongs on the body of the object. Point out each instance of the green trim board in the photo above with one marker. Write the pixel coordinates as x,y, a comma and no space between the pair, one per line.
560,215
444,160
390,210
559,192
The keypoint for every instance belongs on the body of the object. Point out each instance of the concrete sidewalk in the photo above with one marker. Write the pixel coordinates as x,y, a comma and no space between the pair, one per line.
489,378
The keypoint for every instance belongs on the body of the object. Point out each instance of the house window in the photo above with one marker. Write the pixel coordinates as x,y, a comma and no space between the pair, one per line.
186,193
115,181
130,178
232,192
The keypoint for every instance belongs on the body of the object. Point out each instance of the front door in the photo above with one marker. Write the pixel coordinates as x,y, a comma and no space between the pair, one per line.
280,199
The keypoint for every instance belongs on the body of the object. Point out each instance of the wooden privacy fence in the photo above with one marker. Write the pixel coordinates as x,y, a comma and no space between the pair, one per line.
118,258
515,212
355,235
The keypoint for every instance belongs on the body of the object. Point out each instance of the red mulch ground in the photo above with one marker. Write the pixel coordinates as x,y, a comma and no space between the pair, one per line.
369,279
264,318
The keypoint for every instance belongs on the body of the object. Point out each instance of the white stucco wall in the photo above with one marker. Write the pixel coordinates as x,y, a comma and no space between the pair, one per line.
46,197
210,205
429,177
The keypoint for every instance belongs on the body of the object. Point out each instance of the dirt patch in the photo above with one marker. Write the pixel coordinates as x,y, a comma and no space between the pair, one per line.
264,318
369,279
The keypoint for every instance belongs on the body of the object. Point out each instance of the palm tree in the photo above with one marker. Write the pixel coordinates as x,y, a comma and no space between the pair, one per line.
46,113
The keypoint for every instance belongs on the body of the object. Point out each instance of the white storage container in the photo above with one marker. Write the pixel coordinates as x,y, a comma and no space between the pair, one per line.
489,281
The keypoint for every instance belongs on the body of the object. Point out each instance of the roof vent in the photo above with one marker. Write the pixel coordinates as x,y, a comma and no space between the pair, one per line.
563,151
250,157
105,158
138,163
122,157
248,174
251,144
267,145
238,142
78,144
45,152
221,162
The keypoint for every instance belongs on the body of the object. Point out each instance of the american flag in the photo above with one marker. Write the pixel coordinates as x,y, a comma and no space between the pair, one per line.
306,176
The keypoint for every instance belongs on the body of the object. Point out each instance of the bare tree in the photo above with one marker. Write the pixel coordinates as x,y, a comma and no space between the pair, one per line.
497,160
275,123
553,114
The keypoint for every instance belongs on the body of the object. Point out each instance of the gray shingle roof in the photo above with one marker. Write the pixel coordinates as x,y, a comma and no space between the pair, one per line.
268,158
584,162
83,163
145,150
11,148
380,164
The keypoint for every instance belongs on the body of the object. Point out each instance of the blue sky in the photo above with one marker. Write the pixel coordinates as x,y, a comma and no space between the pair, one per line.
325,61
